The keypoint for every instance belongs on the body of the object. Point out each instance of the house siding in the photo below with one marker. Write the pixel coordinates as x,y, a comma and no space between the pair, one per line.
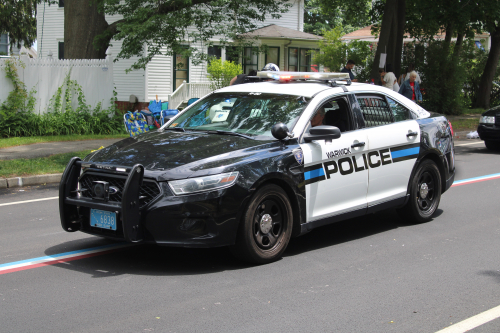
157,79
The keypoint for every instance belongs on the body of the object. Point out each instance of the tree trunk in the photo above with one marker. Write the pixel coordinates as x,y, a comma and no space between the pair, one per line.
486,82
400,37
458,44
385,32
82,23
391,46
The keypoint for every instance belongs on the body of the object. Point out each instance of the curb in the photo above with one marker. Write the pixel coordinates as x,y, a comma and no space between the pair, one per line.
30,180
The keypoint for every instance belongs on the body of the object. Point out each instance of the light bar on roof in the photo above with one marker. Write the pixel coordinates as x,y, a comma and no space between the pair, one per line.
289,76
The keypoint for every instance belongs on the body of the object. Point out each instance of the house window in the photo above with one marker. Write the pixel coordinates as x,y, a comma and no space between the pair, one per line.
293,59
214,52
250,59
4,44
61,3
232,54
60,53
273,55
300,59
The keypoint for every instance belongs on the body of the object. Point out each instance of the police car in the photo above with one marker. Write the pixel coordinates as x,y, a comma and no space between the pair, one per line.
253,165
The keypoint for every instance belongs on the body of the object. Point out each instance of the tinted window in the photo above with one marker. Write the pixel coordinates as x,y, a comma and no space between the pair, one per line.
375,111
399,112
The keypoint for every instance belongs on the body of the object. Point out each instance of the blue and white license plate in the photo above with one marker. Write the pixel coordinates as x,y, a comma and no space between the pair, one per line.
102,219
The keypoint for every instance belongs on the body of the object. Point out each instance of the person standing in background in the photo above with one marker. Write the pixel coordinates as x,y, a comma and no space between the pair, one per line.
348,69
411,89
389,78
406,77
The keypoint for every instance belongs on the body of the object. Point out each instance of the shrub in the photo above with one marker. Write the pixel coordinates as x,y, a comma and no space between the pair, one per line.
443,77
221,72
17,116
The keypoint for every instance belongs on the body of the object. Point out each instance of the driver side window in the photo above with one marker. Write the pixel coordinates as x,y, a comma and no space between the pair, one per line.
332,113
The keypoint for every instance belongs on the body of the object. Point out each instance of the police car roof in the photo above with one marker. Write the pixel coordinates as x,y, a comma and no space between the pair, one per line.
299,88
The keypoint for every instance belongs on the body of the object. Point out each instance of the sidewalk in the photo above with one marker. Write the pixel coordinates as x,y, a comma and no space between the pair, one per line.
51,148
44,150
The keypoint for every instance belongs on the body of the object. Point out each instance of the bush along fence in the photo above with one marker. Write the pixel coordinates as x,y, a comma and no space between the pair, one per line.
67,111
45,76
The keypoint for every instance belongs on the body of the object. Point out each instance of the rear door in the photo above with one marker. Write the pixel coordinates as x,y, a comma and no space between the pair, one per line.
393,146
335,172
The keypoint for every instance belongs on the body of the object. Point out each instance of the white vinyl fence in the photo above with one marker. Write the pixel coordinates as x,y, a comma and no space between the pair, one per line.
45,76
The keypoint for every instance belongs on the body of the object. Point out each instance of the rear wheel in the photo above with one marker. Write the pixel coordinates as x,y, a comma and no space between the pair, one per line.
266,228
492,145
425,193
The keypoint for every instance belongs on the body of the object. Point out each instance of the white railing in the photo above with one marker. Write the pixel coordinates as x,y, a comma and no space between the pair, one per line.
187,91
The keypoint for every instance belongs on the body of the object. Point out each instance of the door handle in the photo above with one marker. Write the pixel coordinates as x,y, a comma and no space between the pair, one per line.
359,144
411,134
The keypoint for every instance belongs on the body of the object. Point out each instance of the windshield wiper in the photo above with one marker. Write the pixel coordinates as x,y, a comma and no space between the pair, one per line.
230,133
178,129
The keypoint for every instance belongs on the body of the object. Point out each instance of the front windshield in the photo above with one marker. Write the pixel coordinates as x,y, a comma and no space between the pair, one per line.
251,114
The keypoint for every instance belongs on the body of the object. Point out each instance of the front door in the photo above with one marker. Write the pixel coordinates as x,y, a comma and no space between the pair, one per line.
335,173
181,70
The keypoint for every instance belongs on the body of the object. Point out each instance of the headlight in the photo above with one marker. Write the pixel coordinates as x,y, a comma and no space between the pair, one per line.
208,183
486,120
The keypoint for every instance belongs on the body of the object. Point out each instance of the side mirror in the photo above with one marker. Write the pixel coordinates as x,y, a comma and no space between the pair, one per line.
280,131
322,132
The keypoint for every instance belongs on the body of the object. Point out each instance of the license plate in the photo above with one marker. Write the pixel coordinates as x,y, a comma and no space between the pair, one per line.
102,219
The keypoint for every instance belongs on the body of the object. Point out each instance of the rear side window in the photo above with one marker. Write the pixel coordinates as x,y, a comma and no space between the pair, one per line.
399,112
375,110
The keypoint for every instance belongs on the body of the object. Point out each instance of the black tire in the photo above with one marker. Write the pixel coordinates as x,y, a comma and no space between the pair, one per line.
265,230
492,145
425,193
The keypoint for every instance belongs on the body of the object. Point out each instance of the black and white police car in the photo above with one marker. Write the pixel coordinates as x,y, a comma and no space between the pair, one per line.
252,165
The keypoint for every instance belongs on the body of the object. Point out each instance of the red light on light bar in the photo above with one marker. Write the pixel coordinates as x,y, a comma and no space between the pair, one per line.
306,76
285,77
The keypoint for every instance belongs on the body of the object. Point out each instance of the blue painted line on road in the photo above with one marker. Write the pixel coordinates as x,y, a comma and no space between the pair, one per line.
55,256
457,182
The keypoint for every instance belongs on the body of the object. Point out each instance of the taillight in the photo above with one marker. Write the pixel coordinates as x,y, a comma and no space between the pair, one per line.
451,128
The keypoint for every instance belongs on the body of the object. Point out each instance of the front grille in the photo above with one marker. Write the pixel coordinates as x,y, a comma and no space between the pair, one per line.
149,189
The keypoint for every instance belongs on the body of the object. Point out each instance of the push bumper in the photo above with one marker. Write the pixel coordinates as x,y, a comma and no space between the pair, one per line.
208,219
70,203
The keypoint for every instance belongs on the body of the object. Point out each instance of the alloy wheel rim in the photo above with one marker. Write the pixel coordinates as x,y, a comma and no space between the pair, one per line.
268,223
426,191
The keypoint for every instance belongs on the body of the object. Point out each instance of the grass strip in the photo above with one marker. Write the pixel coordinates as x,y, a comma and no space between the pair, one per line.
28,140
38,166
465,124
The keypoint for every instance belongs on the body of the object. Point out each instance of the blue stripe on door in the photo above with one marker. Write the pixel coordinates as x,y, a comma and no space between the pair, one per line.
314,173
405,152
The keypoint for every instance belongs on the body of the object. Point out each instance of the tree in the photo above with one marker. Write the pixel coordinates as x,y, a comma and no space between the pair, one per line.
490,23
18,20
334,53
152,27
322,15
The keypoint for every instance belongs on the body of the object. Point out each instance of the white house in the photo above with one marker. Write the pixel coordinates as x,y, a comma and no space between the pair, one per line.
288,46
5,49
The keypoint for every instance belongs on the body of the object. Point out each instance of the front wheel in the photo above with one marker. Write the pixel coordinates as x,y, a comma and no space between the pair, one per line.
266,228
425,193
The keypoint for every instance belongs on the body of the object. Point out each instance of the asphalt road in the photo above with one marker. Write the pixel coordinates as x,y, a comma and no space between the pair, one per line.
372,274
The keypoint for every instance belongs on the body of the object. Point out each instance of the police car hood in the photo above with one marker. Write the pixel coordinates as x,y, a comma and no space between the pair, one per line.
169,155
